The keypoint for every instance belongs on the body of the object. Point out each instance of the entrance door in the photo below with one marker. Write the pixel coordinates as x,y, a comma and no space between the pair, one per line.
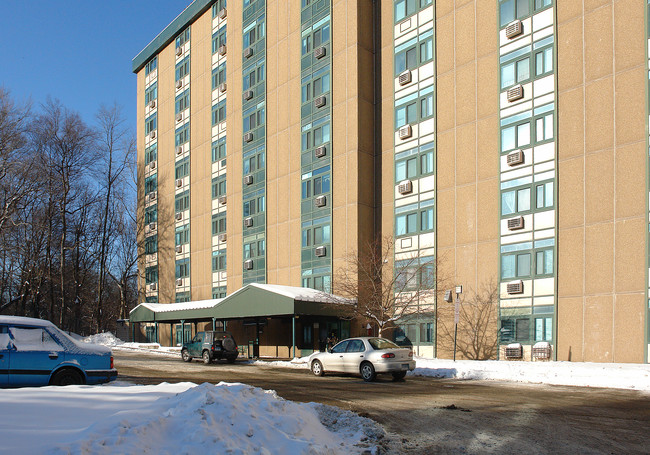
183,336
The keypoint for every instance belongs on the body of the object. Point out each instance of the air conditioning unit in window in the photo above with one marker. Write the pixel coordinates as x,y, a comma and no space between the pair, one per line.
248,52
179,216
152,104
320,251
179,183
248,137
152,196
152,135
152,165
320,201
515,158
515,287
320,151
179,117
248,94
222,50
223,237
222,87
320,101
153,287
179,248
179,83
179,150
152,227
248,222
405,187
320,52
248,265
541,350
516,223
515,93
514,351
514,29
222,200
179,50
223,13
405,132
405,77
179,282
248,179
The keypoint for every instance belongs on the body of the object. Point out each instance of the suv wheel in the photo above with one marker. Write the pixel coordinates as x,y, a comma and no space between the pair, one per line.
186,356
206,357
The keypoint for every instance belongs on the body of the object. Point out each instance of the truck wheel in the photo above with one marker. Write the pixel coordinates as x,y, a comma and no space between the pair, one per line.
186,356
206,357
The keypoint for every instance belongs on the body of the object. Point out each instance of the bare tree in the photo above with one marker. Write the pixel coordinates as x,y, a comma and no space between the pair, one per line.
385,290
477,324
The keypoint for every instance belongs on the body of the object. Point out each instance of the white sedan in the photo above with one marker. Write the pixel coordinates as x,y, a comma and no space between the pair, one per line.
366,356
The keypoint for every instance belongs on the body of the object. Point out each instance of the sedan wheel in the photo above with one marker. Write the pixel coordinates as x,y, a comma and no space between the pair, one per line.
399,375
186,356
67,377
317,368
368,372
206,357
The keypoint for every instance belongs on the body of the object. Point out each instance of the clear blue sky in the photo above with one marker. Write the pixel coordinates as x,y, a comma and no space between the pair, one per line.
79,51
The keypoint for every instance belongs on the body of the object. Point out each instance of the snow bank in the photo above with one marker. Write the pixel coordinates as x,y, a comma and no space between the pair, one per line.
175,418
105,339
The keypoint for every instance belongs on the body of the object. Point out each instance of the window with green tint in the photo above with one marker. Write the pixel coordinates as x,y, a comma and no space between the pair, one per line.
183,38
426,106
426,50
182,135
183,68
182,201
182,235
182,168
218,6
151,244
151,274
182,101
544,195
254,75
406,169
406,114
544,262
252,119
515,136
151,183
219,223
150,124
219,260
544,61
426,220
424,3
406,224
219,39
151,66
426,332
183,268
321,35
515,72
426,163
219,112
254,162
253,206
406,60
218,76
515,265
404,8
219,149
544,329
218,186
541,4
515,201
513,9
151,214
151,93
544,128
151,153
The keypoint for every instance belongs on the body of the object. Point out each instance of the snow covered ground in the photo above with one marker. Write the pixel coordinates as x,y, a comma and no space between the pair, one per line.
583,374
181,418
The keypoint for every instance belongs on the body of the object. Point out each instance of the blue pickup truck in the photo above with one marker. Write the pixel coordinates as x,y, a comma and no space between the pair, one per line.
34,352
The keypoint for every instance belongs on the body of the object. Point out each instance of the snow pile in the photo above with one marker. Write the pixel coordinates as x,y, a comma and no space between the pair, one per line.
105,339
584,374
176,418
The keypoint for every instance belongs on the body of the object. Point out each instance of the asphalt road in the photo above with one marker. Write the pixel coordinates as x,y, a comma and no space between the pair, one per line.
427,416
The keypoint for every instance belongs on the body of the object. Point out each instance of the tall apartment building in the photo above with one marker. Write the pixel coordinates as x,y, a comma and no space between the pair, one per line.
504,142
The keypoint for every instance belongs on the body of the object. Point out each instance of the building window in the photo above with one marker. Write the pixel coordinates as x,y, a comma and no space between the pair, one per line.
253,206
151,66
544,128
544,262
151,244
151,214
316,182
426,50
513,9
515,201
150,124
219,149
515,329
151,93
544,195
182,235
515,136
406,60
218,6
151,183
406,169
253,118
218,39
254,32
219,292
182,268
183,38
544,329
218,260
218,76
219,112
254,76
515,72
151,153
516,265
315,236
219,186
406,114
404,8
544,62
218,223
182,201
182,168
182,135
151,274
183,101
426,332
426,106
541,4
406,224
183,68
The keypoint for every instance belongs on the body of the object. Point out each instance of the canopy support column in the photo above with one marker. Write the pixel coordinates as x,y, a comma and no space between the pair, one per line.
214,324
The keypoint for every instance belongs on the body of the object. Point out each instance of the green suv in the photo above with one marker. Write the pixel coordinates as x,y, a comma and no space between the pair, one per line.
210,346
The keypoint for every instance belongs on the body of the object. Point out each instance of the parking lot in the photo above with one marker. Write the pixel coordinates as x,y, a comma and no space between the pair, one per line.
425,415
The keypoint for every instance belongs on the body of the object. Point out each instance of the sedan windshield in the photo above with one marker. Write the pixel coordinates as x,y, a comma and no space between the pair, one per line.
382,343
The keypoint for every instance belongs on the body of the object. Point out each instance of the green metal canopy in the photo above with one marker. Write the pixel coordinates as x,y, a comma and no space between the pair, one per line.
253,300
